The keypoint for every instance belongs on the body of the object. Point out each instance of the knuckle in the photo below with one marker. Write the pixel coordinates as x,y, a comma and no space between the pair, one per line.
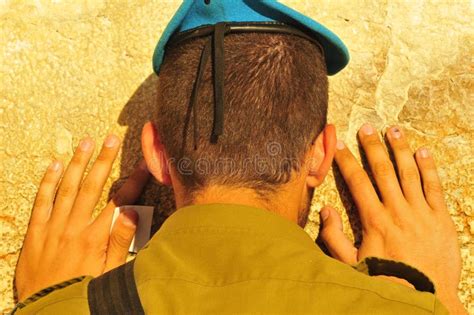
402,146
409,174
66,237
77,159
104,156
345,155
426,163
42,201
66,191
372,141
376,224
326,235
383,168
357,178
36,226
48,183
432,187
404,149
119,241
429,167
400,223
49,178
89,240
89,187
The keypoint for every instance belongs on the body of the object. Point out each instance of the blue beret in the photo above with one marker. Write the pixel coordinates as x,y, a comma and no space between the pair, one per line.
193,14
199,18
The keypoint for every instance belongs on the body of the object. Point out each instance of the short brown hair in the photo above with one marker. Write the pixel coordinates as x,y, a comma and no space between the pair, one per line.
276,94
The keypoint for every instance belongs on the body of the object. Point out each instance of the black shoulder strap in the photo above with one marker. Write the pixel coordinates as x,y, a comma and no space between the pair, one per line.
115,292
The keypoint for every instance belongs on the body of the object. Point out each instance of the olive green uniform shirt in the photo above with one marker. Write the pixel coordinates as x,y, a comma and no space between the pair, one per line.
234,259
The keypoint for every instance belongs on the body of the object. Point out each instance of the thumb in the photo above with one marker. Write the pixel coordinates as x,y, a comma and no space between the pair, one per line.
120,239
334,238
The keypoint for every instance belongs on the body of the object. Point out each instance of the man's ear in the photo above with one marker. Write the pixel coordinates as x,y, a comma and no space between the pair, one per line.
154,154
321,156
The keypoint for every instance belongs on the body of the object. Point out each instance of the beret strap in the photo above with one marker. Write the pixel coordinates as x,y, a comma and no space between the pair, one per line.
206,52
219,71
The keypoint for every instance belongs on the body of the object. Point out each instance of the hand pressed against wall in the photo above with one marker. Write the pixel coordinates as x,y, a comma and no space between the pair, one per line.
409,223
62,240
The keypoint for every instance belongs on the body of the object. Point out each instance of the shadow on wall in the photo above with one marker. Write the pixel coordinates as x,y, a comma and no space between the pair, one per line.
142,107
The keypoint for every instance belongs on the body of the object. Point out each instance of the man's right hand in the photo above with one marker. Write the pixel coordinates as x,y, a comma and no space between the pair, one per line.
408,223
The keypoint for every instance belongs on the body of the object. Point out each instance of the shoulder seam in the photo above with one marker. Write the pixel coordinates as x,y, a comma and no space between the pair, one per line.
293,280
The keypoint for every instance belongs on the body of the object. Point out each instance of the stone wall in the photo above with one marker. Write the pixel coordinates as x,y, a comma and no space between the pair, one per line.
74,68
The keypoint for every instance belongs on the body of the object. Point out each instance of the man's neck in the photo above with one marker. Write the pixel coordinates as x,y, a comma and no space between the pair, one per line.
280,203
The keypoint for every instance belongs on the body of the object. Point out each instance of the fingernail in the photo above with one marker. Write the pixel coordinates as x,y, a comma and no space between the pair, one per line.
86,144
340,145
396,133
367,129
424,153
130,218
324,214
111,141
55,166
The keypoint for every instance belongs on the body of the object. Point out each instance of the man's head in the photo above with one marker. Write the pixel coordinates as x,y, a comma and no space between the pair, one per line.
276,95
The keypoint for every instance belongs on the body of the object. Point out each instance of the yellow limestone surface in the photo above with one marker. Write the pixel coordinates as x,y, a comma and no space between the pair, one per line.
75,68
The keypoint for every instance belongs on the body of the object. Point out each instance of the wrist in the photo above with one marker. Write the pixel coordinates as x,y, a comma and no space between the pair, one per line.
451,301
396,280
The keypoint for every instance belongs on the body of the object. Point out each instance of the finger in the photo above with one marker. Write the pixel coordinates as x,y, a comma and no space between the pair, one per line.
34,238
93,185
334,238
69,186
362,191
120,239
380,164
431,182
45,196
127,194
406,165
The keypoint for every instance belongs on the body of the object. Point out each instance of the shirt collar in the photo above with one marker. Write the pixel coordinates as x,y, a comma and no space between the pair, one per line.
222,215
